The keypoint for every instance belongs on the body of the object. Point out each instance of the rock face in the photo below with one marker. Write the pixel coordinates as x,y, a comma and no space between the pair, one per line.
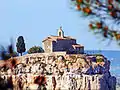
60,71
118,83
85,82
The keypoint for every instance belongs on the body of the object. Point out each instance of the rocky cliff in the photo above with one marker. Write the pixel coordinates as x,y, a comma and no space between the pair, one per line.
60,71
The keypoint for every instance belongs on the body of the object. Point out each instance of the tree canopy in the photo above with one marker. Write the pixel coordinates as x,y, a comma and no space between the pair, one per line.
35,49
105,15
7,54
20,45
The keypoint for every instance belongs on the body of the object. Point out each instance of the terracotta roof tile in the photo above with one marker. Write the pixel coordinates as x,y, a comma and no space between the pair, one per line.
54,38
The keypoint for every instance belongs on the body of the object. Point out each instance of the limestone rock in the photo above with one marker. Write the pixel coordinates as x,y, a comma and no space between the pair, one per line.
70,72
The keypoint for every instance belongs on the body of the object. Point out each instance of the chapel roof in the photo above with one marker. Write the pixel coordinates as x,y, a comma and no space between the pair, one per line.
55,38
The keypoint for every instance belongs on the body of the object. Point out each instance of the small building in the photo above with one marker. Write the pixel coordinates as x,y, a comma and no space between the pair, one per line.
62,43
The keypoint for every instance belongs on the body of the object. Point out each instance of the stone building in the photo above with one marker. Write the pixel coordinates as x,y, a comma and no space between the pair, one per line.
62,43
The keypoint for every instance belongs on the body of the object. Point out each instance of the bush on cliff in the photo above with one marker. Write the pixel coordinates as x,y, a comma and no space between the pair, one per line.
35,49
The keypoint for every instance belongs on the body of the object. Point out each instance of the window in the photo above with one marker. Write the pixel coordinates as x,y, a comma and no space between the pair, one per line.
59,33
93,78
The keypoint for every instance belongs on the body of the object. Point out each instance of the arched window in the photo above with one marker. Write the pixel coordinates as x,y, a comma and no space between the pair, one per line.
93,78
60,34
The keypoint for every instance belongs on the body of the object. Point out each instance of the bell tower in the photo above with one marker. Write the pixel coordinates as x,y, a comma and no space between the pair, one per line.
60,32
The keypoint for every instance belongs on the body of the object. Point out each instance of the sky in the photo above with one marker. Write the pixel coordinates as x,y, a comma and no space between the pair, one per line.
37,19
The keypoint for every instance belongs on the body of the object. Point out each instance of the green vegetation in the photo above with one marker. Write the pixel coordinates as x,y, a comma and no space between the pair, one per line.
20,45
98,54
14,54
7,54
99,60
35,49
109,10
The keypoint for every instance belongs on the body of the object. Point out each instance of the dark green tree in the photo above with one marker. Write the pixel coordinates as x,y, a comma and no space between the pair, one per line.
7,54
35,49
20,45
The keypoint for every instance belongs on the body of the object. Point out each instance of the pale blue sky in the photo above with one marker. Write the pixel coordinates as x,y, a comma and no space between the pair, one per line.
36,19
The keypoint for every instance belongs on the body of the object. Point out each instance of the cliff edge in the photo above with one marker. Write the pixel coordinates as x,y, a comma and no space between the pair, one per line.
60,71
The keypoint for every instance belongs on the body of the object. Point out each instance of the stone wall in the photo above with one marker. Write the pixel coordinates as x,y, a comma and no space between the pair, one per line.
63,45
47,46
